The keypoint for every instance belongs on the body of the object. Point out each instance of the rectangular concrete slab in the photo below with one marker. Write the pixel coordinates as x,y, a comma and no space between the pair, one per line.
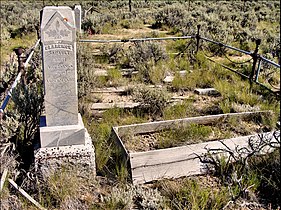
55,136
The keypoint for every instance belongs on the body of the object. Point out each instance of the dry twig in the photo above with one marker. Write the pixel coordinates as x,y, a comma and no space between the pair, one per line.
25,194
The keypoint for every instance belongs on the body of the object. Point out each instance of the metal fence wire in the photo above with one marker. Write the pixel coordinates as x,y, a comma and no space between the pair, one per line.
258,64
263,71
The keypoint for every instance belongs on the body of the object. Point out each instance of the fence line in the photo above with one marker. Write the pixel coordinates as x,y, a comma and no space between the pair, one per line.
269,61
9,95
242,75
253,77
133,40
162,39
175,38
257,58
224,45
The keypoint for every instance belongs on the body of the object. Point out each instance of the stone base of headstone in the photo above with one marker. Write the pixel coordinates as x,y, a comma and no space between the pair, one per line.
55,136
48,159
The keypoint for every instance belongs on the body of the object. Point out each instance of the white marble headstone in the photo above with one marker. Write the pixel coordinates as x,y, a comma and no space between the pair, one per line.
63,137
58,37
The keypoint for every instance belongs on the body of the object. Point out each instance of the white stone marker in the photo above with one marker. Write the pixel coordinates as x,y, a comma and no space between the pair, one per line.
63,125
63,136
59,64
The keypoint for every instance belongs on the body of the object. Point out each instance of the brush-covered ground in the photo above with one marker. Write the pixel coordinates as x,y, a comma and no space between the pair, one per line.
142,69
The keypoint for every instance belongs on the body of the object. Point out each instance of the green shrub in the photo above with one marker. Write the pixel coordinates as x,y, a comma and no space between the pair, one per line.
100,134
238,92
115,77
28,101
171,16
85,70
143,56
183,82
225,106
200,76
28,104
152,72
100,23
152,101
112,52
185,109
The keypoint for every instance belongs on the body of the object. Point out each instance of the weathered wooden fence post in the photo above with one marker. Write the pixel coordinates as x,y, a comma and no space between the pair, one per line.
258,70
197,38
255,56
130,5
37,28
19,52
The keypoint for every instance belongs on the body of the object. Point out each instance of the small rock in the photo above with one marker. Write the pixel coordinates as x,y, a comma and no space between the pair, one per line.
207,91
168,79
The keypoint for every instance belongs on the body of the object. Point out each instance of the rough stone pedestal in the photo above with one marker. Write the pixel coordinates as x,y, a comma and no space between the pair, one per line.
51,158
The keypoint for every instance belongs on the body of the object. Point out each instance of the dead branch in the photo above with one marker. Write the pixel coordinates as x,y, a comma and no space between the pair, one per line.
25,194
3,178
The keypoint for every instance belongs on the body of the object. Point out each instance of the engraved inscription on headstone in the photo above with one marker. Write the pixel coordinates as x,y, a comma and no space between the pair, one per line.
60,77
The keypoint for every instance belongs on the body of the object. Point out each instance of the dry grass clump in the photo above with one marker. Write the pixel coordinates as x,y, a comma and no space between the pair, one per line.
139,197
73,203
8,162
9,201
152,101
193,193
66,187
250,177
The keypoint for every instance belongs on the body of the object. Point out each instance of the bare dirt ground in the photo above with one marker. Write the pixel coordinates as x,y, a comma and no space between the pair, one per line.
199,101
129,33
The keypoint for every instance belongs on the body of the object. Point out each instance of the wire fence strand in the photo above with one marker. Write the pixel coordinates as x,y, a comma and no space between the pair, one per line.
9,94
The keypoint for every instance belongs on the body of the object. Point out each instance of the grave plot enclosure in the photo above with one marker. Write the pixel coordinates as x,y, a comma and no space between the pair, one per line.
178,161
